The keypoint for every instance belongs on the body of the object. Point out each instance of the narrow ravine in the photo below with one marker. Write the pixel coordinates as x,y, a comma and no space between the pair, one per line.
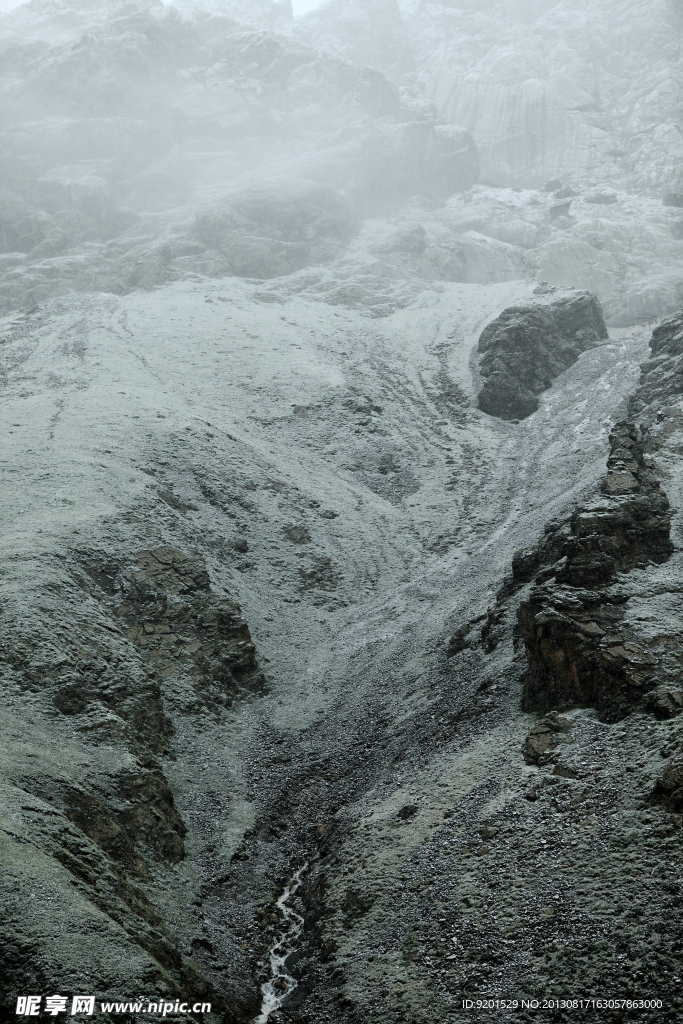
281,984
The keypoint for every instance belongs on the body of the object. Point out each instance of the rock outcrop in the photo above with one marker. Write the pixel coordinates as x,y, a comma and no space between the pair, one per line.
661,383
544,738
482,64
527,347
583,644
92,750
579,647
566,120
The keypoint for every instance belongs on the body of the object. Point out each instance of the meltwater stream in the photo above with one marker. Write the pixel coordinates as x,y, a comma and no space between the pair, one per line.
282,984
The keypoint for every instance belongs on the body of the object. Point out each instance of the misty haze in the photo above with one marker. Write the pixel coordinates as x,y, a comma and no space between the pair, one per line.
341,646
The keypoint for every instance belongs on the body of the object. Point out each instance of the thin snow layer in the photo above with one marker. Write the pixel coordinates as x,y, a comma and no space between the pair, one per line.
379,506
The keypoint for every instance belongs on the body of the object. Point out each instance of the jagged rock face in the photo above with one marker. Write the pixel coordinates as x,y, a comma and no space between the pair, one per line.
564,125
180,628
525,348
143,643
579,648
117,136
661,383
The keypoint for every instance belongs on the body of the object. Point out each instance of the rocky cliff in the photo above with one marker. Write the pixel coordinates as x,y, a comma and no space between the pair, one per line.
575,102
91,717
581,643
575,627
155,146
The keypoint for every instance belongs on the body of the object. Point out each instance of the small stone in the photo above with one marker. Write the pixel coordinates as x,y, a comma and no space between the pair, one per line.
407,811
664,702
297,534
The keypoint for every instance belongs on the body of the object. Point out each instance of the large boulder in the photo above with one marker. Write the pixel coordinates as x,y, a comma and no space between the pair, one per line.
527,347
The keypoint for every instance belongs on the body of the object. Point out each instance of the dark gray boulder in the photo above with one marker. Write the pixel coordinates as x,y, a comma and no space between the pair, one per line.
527,347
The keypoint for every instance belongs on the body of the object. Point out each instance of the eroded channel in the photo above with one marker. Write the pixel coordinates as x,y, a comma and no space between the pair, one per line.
281,984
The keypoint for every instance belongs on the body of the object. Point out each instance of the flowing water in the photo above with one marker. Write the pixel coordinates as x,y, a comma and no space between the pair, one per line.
282,984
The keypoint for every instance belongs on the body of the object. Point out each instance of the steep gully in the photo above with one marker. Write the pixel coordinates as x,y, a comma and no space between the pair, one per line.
651,541
353,775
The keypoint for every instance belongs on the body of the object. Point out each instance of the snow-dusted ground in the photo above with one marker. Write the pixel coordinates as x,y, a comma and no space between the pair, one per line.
111,404
379,506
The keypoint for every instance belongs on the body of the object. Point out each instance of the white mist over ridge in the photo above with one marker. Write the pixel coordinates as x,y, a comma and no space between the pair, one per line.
300,7
371,100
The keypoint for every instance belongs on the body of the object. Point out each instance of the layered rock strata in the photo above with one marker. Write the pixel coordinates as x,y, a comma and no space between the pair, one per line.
527,347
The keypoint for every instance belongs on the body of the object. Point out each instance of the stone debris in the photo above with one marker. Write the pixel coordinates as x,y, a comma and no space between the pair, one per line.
544,738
